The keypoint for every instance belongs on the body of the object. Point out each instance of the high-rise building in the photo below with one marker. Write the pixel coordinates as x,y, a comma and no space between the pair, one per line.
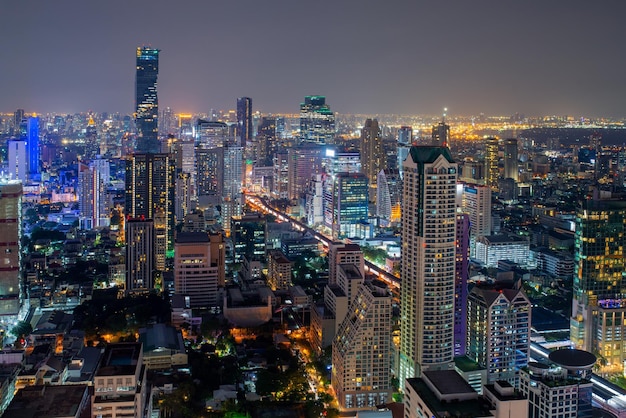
278,270
350,205
598,307
461,272
280,183
233,172
210,173
361,353
303,163
562,389
317,121
140,257
510,159
389,199
10,242
199,267
150,186
441,134
147,100
491,163
18,162
32,141
248,235
405,135
211,134
498,330
91,197
476,202
244,121
373,158
428,261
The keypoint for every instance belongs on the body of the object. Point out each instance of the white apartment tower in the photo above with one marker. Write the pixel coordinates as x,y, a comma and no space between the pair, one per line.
428,261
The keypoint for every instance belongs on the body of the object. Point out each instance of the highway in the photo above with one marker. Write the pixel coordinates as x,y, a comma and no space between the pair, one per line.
602,388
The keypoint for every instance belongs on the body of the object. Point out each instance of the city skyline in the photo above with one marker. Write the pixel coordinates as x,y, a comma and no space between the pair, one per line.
532,58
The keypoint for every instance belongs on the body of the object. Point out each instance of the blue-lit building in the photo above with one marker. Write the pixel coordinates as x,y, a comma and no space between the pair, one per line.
146,100
350,205
32,144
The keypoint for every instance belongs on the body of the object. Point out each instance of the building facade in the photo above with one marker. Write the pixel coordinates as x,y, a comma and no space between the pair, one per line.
147,100
10,242
317,121
428,261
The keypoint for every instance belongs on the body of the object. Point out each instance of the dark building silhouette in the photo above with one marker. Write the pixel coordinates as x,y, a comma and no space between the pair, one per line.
146,100
244,121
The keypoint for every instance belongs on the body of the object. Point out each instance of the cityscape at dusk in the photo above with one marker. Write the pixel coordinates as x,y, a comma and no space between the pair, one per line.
312,209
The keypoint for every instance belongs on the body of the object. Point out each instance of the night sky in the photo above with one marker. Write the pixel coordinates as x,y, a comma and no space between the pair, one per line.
535,57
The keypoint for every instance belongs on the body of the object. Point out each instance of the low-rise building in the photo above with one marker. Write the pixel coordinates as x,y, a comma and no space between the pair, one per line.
163,347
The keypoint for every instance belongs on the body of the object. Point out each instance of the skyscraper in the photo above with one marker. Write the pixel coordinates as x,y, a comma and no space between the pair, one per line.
33,147
18,162
10,242
317,121
598,308
428,261
389,196
146,100
373,158
461,272
150,185
140,260
361,350
244,121
491,163
510,159
350,205
440,134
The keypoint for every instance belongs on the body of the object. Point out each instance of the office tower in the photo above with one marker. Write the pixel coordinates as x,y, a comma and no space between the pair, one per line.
303,163
18,162
140,257
199,267
314,207
490,249
150,186
185,126
280,183
10,242
267,142
18,116
317,121
498,330
248,235
210,174
440,135
476,202
335,162
510,159
340,253
184,155
92,145
361,353
428,261
278,270
32,141
211,134
183,194
389,196
92,197
461,272
598,313
373,158
147,100
350,205
405,135
233,172
491,163
244,121
562,389
120,387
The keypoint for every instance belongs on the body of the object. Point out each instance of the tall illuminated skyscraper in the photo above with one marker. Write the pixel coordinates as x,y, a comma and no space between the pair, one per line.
350,204
599,302
244,121
150,185
146,100
491,163
32,141
317,121
373,157
428,261
10,242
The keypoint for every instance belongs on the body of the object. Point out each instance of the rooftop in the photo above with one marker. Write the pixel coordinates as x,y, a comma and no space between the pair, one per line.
120,359
44,401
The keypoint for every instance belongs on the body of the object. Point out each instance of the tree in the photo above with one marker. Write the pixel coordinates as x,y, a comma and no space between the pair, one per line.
22,329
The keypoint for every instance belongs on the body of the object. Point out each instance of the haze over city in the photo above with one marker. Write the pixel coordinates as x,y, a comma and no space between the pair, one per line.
492,57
